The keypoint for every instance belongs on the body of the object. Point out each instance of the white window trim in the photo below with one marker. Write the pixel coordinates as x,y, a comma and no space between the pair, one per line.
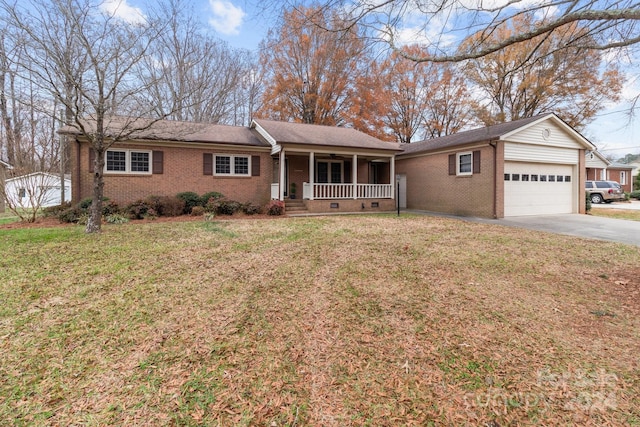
127,161
232,158
623,178
458,156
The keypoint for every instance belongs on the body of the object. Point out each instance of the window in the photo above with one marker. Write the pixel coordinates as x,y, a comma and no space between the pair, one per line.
623,177
552,178
515,177
567,178
543,178
128,161
525,177
465,161
507,176
232,165
560,178
534,177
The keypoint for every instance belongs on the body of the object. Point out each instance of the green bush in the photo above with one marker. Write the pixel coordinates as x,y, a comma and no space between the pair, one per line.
225,207
116,219
275,208
251,209
190,199
72,214
588,201
55,211
635,194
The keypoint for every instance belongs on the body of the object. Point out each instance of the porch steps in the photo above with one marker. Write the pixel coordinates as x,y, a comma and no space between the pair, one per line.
295,206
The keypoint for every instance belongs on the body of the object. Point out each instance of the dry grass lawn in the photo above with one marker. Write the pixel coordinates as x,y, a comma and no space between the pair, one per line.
336,321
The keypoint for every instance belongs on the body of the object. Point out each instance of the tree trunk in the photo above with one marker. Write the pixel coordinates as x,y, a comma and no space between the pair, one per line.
94,223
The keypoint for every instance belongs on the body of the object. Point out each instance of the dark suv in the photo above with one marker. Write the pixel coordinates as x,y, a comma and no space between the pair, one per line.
604,191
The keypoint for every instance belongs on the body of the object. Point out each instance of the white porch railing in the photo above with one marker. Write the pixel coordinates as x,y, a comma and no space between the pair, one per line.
345,191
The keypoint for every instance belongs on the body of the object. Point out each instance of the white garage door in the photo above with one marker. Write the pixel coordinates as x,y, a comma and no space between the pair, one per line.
538,188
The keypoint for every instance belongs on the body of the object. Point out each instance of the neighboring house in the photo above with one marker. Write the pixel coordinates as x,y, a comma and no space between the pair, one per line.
334,169
622,174
526,167
596,165
4,167
37,189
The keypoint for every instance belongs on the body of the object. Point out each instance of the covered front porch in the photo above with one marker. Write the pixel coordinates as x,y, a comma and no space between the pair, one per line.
327,181
328,168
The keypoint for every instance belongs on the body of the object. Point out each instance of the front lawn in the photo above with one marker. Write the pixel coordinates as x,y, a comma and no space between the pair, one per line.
334,321
632,215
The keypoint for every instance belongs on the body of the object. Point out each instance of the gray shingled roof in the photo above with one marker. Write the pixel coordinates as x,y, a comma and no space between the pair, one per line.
470,136
300,133
170,130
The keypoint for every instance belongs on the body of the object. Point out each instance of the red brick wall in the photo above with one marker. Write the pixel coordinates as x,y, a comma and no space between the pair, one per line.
182,172
431,188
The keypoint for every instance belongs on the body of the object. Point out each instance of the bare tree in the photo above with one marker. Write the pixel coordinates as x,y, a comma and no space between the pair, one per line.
194,76
443,25
90,62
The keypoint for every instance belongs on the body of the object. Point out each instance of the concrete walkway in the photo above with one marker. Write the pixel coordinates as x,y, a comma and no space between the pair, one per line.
587,226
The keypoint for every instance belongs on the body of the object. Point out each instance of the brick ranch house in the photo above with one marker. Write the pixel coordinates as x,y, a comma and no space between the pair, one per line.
331,169
531,166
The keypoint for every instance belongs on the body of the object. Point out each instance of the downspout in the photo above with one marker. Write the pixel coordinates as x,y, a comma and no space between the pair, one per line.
76,191
494,145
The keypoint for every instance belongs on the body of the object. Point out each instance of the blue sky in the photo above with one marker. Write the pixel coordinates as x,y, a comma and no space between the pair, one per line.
244,23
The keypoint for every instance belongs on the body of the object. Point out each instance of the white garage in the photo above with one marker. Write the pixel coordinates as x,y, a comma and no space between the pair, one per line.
538,188
541,170
531,166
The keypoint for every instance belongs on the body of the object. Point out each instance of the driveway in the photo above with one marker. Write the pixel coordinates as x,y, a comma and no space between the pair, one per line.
587,226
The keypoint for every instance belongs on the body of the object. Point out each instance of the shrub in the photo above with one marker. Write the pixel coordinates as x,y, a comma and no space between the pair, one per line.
226,207
166,205
197,211
55,211
275,208
110,208
635,194
138,209
251,209
190,199
204,199
116,219
72,214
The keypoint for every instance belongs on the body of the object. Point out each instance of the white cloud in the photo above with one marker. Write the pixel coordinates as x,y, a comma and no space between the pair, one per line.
120,9
227,17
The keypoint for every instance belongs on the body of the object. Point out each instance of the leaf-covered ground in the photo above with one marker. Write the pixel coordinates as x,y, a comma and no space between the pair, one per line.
335,321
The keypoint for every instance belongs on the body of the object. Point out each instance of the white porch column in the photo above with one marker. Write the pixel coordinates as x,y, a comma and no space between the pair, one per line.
392,178
282,171
312,172
354,175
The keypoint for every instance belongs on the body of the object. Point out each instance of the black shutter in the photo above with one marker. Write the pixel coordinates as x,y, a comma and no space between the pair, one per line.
207,164
476,161
255,165
452,164
158,162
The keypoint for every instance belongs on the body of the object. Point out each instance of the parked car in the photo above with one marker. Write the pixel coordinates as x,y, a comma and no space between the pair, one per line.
604,191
